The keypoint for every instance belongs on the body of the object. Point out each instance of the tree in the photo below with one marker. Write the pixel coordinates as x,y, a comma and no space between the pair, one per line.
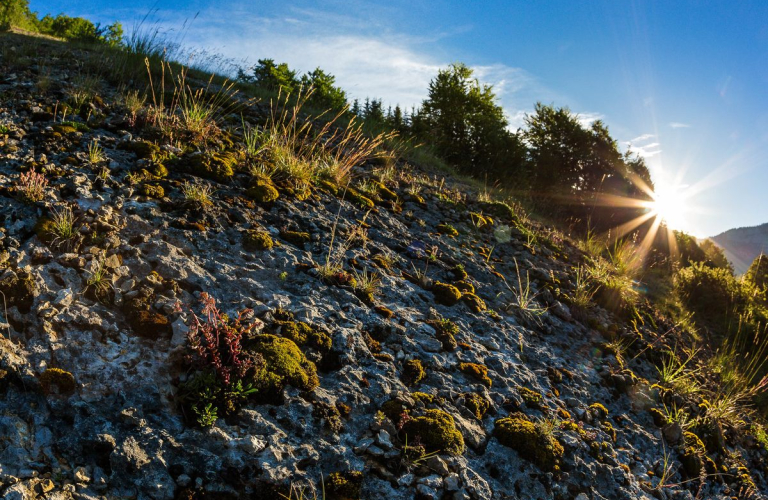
271,76
16,13
461,119
578,172
758,271
715,255
326,95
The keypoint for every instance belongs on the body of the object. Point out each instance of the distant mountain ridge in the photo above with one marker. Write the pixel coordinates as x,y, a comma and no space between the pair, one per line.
742,245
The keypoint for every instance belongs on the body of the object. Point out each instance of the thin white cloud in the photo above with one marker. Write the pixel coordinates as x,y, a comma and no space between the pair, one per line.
587,119
641,138
679,125
644,146
367,57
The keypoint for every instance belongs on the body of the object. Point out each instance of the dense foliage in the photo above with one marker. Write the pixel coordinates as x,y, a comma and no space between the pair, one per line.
17,13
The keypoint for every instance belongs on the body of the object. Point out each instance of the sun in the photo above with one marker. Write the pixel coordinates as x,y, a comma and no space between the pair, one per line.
669,204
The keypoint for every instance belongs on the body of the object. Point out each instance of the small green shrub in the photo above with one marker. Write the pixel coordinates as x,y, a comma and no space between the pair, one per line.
716,296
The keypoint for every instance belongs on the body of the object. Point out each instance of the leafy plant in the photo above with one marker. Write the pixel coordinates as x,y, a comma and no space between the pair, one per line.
31,185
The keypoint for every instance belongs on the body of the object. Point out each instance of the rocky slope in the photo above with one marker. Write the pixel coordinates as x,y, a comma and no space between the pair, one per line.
743,245
437,386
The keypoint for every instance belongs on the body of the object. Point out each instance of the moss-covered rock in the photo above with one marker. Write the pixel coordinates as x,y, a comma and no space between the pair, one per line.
475,303
464,286
384,312
284,364
476,403
476,371
529,441
423,397
263,192
45,229
344,485
436,431
56,380
19,290
459,273
447,230
531,398
152,190
413,372
599,411
385,192
257,240
445,331
142,149
304,334
297,238
446,294
357,198
215,166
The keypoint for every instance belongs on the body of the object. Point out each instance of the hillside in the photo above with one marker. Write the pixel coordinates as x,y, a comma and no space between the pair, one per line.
188,317
743,245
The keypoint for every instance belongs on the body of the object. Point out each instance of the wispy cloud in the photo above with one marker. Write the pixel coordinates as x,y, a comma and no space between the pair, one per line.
679,125
366,55
587,119
644,145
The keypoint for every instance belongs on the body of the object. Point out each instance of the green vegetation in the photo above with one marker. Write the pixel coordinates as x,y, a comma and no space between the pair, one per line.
476,371
58,380
257,240
17,13
436,431
413,372
530,440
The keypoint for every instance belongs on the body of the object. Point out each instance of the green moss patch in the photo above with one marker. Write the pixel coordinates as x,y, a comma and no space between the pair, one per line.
413,372
445,331
257,240
529,441
446,294
476,371
447,230
475,303
436,431
215,166
297,238
58,381
477,404
263,192
284,364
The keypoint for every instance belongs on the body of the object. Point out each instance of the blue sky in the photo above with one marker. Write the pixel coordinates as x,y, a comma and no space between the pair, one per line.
684,82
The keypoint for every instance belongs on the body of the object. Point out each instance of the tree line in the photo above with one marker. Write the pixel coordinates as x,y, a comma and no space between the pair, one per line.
17,13
565,169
